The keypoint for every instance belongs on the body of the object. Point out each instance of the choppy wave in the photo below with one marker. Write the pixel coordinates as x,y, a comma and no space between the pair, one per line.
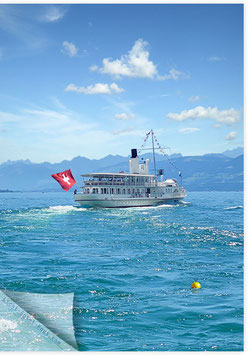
233,208
131,269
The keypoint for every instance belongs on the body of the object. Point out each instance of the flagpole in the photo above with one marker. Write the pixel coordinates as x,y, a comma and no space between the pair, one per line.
154,162
180,175
77,185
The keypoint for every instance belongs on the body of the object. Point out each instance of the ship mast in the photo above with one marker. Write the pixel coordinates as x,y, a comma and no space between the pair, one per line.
154,162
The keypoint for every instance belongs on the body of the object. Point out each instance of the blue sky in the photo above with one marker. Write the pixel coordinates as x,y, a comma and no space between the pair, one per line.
92,80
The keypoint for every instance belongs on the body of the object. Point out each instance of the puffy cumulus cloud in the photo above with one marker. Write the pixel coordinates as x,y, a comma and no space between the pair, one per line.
98,88
194,98
134,64
69,49
124,116
231,136
189,130
228,117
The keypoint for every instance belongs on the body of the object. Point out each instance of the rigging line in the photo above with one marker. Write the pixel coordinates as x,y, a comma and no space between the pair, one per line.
168,160
153,154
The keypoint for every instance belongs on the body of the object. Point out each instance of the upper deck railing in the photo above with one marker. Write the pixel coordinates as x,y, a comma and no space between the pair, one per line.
119,183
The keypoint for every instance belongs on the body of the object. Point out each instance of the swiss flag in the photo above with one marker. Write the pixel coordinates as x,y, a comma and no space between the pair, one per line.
65,179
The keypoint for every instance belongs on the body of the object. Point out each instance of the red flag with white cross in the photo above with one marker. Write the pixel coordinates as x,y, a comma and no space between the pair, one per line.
65,179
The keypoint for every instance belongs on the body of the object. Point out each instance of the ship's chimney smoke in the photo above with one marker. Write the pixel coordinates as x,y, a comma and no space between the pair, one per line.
134,153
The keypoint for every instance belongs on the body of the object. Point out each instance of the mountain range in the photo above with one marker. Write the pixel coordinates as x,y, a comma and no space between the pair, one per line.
220,172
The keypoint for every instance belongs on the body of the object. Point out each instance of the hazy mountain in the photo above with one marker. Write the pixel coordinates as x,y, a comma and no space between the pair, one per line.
234,153
207,172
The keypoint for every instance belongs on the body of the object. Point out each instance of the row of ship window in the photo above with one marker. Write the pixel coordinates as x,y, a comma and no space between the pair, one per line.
123,179
112,191
119,191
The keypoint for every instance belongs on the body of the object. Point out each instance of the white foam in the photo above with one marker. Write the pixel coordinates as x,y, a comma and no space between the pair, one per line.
64,209
233,208
6,325
185,203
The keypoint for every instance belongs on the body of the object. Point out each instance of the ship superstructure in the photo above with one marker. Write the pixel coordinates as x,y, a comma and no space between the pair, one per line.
136,189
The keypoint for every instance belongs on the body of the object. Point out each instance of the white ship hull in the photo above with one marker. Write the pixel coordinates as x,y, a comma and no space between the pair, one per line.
89,201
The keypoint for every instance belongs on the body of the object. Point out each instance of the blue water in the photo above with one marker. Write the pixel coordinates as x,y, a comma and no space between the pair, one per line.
131,269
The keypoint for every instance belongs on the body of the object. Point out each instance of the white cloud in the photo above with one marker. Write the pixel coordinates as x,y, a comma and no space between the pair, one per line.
228,117
173,74
44,121
66,131
189,130
57,133
215,59
194,98
53,14
134,64
69,49
93,68
231,136
124,116
98,88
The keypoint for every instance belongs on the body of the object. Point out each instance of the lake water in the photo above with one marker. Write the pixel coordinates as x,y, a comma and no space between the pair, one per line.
131,269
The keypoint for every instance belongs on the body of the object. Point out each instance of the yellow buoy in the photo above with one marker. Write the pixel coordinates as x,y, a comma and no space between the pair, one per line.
196,284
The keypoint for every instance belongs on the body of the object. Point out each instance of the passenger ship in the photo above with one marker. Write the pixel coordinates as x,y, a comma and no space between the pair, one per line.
136,189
